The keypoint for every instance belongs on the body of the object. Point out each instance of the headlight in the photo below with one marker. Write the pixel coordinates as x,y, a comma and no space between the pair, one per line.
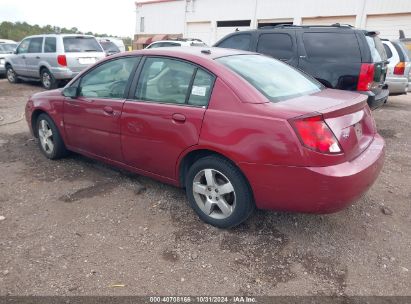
2,61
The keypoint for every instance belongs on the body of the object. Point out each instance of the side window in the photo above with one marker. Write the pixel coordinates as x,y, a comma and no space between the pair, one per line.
164,80
239,42
201,90
50,45
168,44
23,47
276,45
388,51
108,80
332,47
36,45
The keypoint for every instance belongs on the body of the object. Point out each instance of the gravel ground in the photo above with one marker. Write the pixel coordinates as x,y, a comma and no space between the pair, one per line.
78,227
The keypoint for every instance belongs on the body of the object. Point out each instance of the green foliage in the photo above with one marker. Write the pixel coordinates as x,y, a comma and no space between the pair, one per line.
18,30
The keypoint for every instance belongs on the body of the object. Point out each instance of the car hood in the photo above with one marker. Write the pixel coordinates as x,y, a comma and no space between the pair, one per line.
50,93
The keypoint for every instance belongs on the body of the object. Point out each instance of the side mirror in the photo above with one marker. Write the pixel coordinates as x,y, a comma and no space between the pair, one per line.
70,92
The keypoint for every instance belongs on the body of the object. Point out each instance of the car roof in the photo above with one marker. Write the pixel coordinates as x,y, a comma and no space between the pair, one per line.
59,35
192,52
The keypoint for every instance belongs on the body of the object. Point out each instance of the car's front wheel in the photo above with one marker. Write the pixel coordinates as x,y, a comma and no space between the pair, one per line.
11,75
50,141
218,192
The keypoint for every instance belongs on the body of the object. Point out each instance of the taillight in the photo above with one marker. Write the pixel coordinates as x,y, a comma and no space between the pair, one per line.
399,69
315,134
62,60
366,77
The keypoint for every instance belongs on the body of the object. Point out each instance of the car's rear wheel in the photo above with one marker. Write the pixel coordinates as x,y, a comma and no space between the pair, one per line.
47,80
218,192
50,141
11,75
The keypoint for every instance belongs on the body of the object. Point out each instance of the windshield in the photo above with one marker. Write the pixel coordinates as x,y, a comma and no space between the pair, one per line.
275,79
7,47
81,44
109,46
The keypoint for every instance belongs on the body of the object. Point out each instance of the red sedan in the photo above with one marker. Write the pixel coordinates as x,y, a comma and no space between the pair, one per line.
238,130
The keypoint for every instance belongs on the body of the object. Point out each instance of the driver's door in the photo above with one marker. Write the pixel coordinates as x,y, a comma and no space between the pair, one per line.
91,120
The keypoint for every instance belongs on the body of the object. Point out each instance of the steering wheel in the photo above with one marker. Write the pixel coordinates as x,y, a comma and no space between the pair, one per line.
117,88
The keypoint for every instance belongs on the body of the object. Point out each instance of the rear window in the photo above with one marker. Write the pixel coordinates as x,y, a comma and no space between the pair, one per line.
402,51
332,47
238,42
377,49
81,44
273,78
109,46
277,45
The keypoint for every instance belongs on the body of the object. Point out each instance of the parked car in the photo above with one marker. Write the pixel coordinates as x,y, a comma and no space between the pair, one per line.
109,47
52,58
118,42
176,42
399,67
339,56
238,130
7,47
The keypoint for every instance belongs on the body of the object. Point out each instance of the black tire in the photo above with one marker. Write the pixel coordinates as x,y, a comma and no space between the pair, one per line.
11,75
59,149
47,80
243,203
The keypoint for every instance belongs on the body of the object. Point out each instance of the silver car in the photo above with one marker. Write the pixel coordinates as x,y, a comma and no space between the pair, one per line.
7,47
399,67
52,58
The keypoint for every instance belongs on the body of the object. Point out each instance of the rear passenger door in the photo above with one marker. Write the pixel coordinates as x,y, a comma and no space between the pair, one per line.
164,114
332,57
281,46
33,57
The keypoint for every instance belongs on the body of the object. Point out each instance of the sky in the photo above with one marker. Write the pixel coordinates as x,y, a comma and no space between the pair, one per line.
115,17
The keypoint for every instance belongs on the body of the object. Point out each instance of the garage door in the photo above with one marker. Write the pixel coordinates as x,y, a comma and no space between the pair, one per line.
199,30
329,20
388,25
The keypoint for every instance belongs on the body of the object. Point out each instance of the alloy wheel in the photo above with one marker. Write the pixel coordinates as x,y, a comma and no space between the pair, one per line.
214,193
46,137
11,76
46,80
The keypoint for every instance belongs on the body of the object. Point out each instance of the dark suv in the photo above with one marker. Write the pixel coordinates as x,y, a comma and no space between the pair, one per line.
339,56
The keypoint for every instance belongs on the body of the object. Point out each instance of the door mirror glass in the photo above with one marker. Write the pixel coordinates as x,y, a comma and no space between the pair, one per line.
70,92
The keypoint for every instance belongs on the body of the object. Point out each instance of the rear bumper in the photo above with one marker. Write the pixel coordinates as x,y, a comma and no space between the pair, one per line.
375,101
63,73
397,85
315,189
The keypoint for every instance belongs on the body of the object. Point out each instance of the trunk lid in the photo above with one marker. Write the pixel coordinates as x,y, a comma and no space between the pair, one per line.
346,114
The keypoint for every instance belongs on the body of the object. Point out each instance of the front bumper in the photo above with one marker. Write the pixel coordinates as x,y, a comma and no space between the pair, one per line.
2,70
315,189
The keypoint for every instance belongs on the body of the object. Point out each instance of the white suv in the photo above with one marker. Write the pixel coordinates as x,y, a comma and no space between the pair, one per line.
52,58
